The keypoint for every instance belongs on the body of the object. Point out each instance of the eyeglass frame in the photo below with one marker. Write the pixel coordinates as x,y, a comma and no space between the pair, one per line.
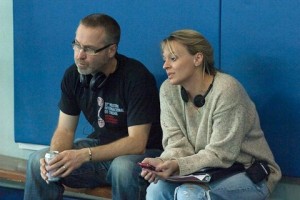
95,51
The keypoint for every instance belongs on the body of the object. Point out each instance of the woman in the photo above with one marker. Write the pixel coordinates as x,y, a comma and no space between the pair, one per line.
208,120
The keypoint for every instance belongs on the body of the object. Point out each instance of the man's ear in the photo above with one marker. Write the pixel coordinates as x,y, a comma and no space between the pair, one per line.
198,59
113,50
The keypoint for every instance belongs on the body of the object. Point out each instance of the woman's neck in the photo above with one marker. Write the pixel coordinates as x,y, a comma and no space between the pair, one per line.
198,84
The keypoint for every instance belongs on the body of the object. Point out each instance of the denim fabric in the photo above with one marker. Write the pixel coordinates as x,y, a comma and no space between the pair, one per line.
238,186
162,190
122,173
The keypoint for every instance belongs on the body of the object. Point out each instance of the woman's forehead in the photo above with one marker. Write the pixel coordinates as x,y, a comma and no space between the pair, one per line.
173,47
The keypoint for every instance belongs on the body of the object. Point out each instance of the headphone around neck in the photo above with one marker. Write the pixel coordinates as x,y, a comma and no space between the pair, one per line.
199,100
93,82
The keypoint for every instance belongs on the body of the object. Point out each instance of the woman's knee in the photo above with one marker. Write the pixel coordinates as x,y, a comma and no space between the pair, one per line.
153,192
239,186
190,192
161,190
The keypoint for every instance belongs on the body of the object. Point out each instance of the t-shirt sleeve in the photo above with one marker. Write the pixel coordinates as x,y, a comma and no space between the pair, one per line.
143,104
68,103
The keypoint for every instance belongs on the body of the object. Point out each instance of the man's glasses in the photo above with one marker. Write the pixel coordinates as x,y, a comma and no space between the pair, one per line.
88,50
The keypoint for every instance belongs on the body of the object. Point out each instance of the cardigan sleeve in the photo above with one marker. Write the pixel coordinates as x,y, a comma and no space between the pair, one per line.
172,121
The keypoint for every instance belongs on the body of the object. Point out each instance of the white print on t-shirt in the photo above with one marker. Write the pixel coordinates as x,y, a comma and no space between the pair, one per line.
101,122
112,109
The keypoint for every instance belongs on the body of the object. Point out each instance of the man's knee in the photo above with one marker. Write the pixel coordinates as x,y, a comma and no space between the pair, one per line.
124,170
34,158
123,165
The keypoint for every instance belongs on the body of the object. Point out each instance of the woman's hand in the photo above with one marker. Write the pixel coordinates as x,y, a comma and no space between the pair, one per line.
149,175
167,169
163,169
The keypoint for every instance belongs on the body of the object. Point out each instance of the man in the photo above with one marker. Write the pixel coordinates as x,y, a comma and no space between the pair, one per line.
119,98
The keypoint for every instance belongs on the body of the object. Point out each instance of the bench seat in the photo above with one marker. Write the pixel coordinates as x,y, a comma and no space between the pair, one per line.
14,170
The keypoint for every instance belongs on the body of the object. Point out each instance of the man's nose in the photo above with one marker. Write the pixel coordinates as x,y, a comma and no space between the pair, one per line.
81,54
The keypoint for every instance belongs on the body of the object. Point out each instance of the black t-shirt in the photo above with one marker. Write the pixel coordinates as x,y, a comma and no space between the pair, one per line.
128,97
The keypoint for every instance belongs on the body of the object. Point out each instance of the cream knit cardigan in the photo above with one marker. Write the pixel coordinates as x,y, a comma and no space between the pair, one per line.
225,130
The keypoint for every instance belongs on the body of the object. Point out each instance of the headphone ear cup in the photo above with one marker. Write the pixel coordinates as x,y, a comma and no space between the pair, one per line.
184,95
97,81
199,101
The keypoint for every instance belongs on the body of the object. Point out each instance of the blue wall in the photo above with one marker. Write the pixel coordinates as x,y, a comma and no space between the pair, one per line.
255,41
44,29
260,46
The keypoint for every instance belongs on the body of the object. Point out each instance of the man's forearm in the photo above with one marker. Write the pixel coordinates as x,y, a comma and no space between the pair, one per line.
61,141
124,146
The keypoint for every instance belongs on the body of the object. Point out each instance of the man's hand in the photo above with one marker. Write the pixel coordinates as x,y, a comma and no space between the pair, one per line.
64,163
43,169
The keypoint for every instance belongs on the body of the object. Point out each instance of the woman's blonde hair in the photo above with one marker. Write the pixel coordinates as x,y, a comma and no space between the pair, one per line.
195,43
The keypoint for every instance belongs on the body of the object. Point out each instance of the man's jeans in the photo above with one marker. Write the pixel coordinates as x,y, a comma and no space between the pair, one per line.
122,173
238,186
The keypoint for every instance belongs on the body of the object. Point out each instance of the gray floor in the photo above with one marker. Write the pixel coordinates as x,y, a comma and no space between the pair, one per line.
287,189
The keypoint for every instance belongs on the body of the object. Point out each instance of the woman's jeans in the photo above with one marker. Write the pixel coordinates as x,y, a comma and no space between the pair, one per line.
122,173
238,186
